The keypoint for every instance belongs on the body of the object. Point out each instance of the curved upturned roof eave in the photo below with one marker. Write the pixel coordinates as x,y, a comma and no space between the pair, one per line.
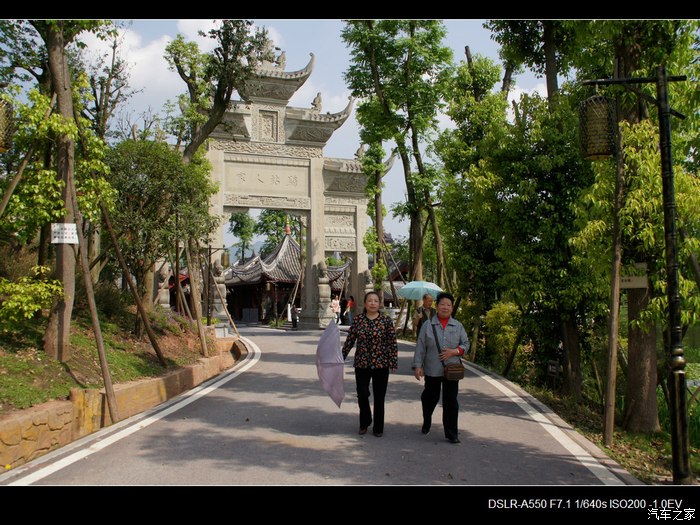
299,75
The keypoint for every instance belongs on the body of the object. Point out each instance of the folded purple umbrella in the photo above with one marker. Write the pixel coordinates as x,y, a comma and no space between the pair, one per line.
330,364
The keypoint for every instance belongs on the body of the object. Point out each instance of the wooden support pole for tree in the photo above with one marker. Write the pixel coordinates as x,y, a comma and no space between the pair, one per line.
195,295
132,287
87,278
183,303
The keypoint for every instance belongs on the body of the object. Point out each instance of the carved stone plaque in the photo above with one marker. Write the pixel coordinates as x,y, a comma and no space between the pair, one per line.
266,201
340,244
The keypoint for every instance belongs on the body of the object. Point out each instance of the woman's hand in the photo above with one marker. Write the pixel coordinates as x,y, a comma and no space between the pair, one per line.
418,372
448,352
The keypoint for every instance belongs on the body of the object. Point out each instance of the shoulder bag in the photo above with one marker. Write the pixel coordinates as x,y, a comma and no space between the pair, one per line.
453,372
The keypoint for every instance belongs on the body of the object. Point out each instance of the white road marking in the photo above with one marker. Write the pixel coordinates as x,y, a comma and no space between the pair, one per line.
189,397
599,470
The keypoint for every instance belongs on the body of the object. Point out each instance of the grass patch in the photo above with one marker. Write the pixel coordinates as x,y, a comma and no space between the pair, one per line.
647,457
29,377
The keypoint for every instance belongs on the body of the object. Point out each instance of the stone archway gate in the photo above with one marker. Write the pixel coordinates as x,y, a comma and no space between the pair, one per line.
267,154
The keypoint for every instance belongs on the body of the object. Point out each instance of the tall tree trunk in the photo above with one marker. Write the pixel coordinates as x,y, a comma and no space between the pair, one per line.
193,267
379,219
627,60
641,410
57,335
550,58
507,79
614,319
572,357
415,241
441,271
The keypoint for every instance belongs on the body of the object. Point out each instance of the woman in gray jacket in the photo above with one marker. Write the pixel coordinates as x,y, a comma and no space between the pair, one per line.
429,360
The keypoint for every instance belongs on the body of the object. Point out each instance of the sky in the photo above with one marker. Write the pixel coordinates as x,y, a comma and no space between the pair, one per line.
144,43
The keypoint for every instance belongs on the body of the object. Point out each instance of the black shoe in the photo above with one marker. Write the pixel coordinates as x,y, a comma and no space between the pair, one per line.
425,429
454,440
362,431
378,434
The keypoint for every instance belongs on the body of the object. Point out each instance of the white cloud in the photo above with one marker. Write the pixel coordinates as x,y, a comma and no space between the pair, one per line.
517,92
276,37
148,69
191,28
150,73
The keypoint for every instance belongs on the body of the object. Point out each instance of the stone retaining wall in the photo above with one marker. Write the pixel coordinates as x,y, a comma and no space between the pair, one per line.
27,434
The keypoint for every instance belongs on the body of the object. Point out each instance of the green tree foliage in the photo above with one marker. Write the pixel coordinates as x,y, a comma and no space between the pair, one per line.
272,226
545,46
501,322
242,226
211,78
160,200
478,112
21,59
642,224
21,299
396,71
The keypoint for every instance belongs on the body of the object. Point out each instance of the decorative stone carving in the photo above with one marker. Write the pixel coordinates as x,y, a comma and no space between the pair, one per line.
340,244
369,281
316,104
312,133
323,272
342,166
254,148
265,201
233,124
357,201
339,224
163,290
348,184
324,295
266,125
265,160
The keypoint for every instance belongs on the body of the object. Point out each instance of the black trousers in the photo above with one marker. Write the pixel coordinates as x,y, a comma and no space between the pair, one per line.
380,379
450,408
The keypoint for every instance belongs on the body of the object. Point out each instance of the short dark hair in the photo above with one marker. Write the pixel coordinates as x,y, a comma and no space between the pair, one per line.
445,295
372,292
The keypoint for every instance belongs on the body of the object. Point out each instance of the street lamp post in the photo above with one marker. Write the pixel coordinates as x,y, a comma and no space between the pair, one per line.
677,382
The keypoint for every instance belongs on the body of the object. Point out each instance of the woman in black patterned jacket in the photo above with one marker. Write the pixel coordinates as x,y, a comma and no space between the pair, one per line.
376,354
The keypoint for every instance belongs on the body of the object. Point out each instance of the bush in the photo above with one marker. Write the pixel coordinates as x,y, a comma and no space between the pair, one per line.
166,321
501,329
110,300
20,300
693,417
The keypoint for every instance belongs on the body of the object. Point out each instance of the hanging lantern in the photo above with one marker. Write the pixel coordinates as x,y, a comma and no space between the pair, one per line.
597,128
225,259
6,126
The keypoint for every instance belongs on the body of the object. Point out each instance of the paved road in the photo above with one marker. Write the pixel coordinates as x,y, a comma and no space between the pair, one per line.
267,422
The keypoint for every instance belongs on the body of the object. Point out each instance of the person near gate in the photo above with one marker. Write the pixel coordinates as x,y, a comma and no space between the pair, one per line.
429,360
335,308
350,308
423,313
376,354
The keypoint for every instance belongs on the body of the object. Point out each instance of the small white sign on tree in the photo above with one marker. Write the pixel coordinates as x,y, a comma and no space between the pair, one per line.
64,233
